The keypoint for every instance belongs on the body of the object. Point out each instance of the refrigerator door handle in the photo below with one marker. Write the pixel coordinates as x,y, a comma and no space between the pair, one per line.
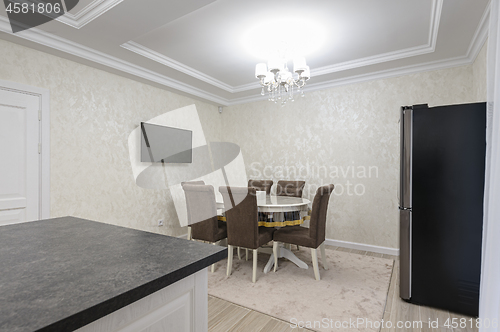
405,202
406,146
399,187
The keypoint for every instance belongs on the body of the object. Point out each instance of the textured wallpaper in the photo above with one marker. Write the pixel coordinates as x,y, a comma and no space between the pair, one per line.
92,114
479,75
348,136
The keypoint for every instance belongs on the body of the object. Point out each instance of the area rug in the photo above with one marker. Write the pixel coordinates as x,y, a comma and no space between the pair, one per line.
350,296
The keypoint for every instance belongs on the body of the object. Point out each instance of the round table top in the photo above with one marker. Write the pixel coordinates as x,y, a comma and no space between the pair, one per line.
278,204
283,201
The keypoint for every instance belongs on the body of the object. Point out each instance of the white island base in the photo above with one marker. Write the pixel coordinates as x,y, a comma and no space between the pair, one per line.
180,307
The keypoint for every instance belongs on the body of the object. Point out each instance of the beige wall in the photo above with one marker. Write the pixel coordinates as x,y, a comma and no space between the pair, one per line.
336,131
479,75
92,115
331,133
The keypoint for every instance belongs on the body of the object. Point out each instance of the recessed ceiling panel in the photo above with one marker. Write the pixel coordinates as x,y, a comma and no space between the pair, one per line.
195,47
209,40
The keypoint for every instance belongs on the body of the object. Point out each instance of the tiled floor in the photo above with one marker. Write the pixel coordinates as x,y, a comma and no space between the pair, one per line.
225,316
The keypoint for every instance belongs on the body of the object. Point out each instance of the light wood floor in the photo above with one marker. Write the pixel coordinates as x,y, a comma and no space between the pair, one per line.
224,316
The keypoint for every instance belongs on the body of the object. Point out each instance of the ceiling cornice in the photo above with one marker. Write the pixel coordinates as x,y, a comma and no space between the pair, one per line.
480,37
429,47
436,65
47,39
87,14
50,40
169,62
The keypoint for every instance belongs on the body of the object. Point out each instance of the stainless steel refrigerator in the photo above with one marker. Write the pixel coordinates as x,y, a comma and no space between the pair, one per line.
441,205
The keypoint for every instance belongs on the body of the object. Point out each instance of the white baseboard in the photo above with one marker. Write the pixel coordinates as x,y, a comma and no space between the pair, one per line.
350,245
362,246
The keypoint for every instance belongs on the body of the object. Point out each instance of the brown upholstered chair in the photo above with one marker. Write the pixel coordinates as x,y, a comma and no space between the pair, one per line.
240,204
202,214
263,185
290,188
189,237
312,237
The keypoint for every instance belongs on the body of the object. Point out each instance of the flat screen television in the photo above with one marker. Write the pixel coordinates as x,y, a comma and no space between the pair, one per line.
165,144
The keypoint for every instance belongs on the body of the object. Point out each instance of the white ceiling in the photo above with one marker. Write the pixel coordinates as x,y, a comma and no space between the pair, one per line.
195,46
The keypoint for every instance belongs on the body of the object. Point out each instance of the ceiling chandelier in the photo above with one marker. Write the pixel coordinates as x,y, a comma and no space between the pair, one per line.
279,82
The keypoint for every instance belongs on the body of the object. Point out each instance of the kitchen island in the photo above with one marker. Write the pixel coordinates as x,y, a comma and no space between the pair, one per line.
67,274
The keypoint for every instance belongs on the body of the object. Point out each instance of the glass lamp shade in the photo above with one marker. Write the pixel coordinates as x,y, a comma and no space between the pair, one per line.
285,76
260,70
269,77
306,73
299,64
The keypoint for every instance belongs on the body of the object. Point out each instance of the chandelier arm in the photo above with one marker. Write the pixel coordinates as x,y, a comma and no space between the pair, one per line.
263,84
300,83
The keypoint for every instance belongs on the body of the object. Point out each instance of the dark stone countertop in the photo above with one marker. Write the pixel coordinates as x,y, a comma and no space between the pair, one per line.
63,273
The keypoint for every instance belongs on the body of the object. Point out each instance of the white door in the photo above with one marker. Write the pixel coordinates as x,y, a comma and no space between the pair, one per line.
19,157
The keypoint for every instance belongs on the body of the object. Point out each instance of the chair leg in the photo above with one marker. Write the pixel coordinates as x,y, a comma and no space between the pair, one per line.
246,254
298,248
314,254
254,274
190,236
239,253
275,253
323,256
229,260
213,265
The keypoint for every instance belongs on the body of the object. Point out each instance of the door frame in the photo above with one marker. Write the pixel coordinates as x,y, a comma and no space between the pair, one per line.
44,160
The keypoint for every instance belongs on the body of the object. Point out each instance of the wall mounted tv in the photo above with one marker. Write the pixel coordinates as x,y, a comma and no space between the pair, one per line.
165,144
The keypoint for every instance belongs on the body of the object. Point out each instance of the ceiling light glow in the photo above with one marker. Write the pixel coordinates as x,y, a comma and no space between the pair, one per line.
283,38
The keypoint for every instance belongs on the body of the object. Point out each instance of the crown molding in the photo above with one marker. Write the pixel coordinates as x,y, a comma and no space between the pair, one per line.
384,74
437,7
169,62
67,46
477,42
87,14
481,35
429,47
47,39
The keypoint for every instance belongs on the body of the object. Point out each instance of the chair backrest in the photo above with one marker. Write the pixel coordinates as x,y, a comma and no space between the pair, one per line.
263,185
240,205
290,188
202,183
193,183
317,225
201,211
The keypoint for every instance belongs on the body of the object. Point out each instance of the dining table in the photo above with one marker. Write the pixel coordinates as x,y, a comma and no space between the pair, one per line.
279,207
